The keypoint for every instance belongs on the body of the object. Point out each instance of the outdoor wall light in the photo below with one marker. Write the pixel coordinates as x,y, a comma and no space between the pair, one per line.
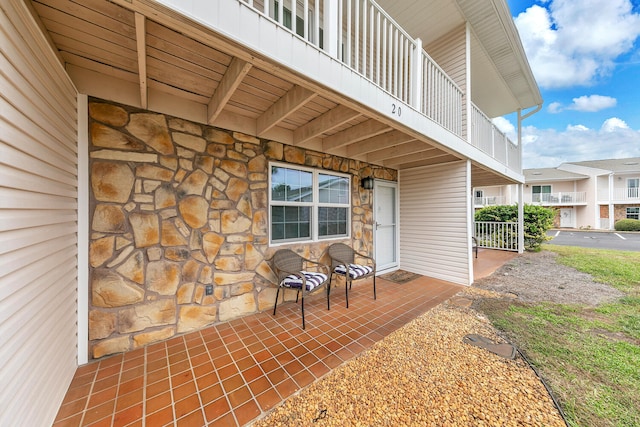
367,183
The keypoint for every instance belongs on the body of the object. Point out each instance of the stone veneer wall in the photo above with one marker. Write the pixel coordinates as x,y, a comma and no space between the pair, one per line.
620,211
176,206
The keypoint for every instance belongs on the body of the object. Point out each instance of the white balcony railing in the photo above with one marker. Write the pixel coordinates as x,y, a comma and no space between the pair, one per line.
497,235
441,98
630,194
365,38
565,198
488,138
489,201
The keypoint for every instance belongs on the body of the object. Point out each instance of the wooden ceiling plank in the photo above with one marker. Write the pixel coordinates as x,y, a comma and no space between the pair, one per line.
230,81
445,158
171,74
166,39
325,122
79,49
377,142
99,67
88,41
396,151
114,18
364,130
285,106
415,157
141,42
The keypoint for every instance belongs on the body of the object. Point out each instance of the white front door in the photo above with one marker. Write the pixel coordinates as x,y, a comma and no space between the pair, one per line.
385,227
566,217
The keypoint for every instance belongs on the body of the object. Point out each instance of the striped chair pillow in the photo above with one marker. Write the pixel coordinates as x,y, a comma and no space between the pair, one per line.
355,270
313,280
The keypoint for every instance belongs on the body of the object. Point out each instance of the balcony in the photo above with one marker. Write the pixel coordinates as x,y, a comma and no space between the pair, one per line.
488,201
620,195
338,76
361,36
558,199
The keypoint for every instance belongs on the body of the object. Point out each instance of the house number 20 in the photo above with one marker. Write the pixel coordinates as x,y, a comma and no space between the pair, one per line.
395,109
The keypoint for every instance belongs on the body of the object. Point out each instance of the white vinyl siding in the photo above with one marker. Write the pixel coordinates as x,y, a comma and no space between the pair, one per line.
433,222
38,214
449,52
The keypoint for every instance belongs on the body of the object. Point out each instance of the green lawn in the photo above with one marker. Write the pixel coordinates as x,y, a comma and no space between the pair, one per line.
590,356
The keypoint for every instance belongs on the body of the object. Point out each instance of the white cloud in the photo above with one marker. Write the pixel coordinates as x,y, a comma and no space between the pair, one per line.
555,107
592,103
613,124
544,148
576,42
506,127
585,104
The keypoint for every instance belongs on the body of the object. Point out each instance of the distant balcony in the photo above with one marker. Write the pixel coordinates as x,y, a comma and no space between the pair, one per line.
488,201
361,35
565,198
620,195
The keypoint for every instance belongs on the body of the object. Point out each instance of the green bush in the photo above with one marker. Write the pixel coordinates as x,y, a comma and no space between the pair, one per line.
627,225
537,220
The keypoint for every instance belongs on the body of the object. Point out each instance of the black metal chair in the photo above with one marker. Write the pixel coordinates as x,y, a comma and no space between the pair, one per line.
292,271
343,263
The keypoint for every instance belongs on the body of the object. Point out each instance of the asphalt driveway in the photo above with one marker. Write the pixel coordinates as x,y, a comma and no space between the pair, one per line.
622,241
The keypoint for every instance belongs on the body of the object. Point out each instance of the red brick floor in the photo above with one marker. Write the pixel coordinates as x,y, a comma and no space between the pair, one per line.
230,374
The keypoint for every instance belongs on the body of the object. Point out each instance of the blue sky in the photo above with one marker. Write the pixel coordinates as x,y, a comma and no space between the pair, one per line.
585,55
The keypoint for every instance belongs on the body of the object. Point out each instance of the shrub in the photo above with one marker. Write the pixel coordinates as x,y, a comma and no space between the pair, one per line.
537,221
627,225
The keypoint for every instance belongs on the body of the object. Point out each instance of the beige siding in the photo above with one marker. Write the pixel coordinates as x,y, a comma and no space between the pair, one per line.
449,52
38,244
433,222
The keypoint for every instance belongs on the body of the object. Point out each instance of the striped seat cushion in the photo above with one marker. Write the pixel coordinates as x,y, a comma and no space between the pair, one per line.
313,280
355,270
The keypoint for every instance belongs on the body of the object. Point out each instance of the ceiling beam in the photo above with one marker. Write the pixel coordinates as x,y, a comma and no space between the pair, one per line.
228,84
329,120
141,44
377,142
364,130
414,157
286,105
397,151
445,158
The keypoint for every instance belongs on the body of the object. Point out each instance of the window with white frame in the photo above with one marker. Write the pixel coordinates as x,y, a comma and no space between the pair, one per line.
633,213
540,193
633,187
307,204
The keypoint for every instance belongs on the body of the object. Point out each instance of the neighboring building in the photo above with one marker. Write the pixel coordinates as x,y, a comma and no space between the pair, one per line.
592,194
156,153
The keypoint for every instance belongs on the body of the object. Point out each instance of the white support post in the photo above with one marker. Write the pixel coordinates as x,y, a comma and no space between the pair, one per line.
470,220
466,131
83,230
520,219
331,27
417,75
612,211
520,191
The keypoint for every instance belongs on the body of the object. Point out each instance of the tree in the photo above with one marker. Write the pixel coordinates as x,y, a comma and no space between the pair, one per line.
537,221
